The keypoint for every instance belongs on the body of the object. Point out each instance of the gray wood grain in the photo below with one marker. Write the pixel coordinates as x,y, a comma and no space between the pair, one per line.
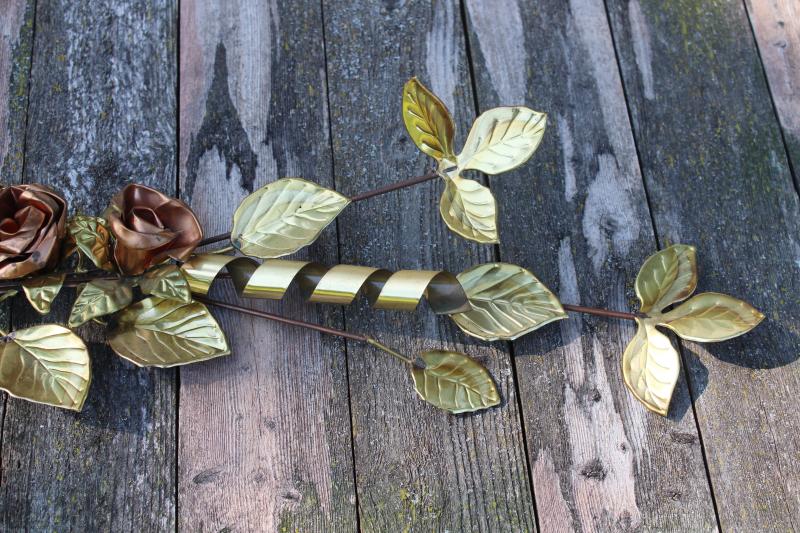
776,26
16,39
102,114
717,177
264,434
577,216
417,468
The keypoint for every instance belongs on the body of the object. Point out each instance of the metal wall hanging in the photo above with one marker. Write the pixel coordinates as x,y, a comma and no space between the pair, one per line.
136,265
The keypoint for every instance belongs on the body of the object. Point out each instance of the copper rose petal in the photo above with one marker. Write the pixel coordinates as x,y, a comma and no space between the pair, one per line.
178,216
33,225
150,227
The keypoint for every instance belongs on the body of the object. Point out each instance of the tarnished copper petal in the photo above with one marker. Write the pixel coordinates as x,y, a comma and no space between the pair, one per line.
132,261
179,217
17,234
133,239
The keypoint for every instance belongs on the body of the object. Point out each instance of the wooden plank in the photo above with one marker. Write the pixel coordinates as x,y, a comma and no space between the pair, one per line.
264,435
16,40
417,468
577,215
776,26
102,113
717,177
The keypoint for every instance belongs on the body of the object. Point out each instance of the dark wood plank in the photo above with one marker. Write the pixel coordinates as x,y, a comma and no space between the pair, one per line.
577,215
417,468
776,26
102,114
16,39
717,177
264,434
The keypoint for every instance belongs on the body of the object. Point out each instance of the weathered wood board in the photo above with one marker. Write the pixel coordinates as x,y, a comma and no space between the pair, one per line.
417,469
776,26
102,114
264,434
577,216
717,176
16,45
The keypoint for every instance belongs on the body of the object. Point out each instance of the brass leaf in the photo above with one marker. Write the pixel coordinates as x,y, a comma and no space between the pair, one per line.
507,302
100,297
712,317
454,382
91,237
166,281
650,367
501,139
666,277
46,364
283,217
468,208
8,294
42,290
428,121
164,333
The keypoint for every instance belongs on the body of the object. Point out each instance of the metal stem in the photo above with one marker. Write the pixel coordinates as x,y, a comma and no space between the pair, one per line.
282,319
357,198
600,312
395,186
74,279
390,351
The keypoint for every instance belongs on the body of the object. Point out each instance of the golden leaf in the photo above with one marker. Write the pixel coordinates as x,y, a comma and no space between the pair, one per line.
650,367
507,302
468,208
428,121
100,297
45,364
501,139
8,294
92,238
712,317
454,382
164,333
42,290
284,216
666,277
166,281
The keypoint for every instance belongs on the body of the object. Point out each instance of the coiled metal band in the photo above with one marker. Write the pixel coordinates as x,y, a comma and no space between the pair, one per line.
340,284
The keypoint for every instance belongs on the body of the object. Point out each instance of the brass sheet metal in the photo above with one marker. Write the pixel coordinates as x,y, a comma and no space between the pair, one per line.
340,284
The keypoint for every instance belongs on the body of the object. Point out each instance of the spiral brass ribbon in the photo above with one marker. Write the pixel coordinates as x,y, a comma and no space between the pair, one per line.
339,284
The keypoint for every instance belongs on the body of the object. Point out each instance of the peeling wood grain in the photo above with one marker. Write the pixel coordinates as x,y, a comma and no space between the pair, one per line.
717,177
16,47
16,38
417,468
577,215
264,436
102,114
776,25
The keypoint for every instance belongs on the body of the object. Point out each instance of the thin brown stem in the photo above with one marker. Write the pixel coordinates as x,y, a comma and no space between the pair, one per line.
357,198
395,186
74,279
215,238
600,312
283,319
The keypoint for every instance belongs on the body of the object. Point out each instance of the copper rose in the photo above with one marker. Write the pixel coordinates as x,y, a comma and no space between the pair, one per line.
32,224
149,228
